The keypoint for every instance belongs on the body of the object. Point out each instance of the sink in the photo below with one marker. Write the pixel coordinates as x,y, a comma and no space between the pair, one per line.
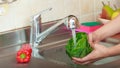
57,54
53,49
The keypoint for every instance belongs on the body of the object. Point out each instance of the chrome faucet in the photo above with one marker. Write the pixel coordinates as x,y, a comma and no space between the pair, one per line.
36,36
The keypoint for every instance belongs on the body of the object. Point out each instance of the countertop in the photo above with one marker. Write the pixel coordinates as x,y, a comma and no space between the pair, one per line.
10,62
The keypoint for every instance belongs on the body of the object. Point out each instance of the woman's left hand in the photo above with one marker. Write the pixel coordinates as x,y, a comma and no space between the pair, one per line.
99,52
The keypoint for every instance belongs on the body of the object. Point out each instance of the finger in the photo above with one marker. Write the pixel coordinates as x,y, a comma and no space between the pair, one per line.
77,59
97,41
77,62
86,63
83,63
90,40
89,57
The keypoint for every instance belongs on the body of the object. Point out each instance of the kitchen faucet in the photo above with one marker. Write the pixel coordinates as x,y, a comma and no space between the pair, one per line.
36,36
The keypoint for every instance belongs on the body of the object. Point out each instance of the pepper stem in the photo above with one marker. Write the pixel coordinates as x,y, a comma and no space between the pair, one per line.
22,56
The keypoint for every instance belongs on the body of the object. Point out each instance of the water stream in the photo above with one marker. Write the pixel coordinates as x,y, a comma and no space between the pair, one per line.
74,36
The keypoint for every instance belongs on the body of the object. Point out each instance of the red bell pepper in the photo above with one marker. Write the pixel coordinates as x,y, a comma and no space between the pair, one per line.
27,47
24,54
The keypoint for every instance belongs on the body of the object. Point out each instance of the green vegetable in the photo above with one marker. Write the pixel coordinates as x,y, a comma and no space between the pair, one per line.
82,47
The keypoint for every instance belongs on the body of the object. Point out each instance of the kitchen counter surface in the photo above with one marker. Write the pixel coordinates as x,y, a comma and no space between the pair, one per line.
10,62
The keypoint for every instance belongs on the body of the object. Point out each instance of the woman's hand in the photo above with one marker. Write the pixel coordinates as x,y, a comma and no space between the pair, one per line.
99,52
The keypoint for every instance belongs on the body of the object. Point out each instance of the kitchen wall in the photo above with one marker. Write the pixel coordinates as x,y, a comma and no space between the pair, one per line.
19,13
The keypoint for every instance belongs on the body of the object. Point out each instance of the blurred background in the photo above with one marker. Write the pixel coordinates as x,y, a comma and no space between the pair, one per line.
18,14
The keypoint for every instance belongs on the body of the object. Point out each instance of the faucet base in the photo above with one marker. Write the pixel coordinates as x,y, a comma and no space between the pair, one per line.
36,54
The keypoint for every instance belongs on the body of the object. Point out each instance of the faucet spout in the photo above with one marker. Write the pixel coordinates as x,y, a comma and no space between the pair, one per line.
71,22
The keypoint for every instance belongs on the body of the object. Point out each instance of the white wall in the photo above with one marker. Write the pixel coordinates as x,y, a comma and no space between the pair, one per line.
19,13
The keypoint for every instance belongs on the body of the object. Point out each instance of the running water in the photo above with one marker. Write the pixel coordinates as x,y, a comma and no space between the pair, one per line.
74,36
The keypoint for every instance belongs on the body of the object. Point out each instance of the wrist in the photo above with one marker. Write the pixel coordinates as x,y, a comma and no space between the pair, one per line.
107,52
114,50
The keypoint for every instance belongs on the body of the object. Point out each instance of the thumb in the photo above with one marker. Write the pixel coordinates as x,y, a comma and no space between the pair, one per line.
90,40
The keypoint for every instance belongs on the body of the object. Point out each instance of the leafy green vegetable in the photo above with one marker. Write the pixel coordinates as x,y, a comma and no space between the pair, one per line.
82,47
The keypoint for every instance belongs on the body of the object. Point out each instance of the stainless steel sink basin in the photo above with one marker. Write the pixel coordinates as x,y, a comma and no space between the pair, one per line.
51,48
56,53
54,50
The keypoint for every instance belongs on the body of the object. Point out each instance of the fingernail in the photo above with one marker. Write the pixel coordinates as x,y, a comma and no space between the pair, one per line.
73,57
